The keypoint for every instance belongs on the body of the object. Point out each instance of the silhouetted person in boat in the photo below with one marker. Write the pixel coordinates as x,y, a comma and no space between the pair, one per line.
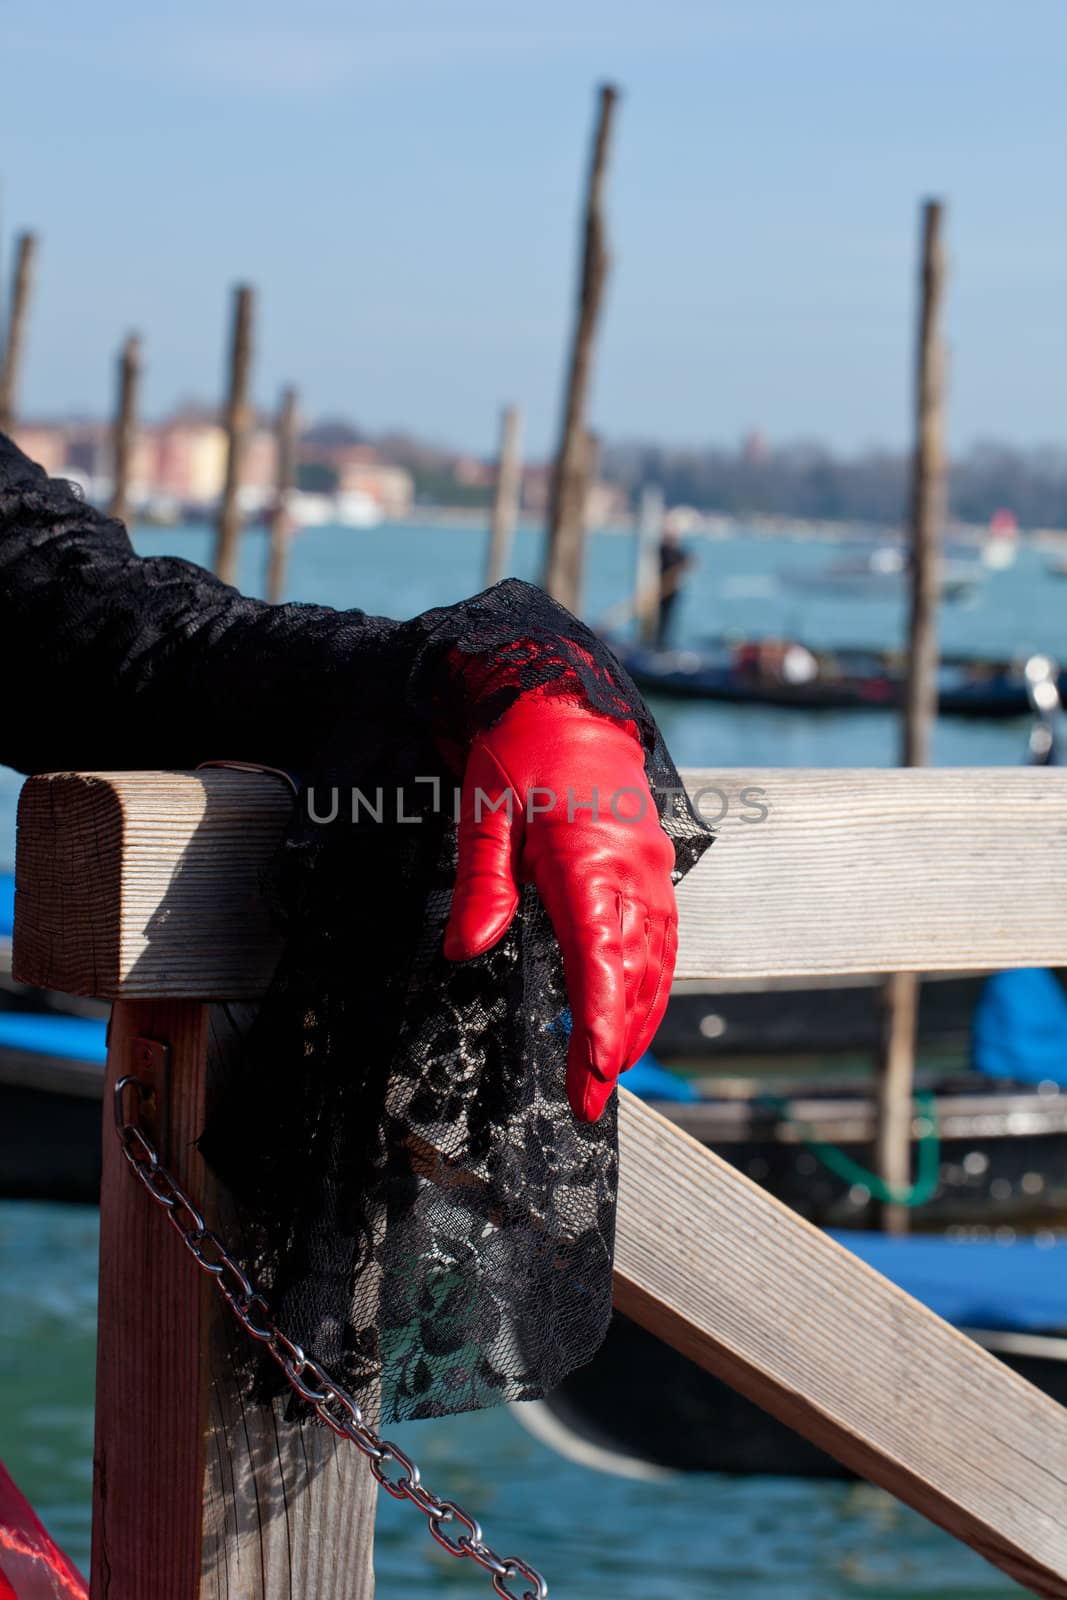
674,561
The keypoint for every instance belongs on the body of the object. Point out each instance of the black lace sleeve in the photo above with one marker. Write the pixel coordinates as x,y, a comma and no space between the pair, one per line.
424,1212
112,660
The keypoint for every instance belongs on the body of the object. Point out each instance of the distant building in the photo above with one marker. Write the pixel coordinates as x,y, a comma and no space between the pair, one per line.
755,448
606,503
44,444
391,488
536,485
259,464
190,461
474,474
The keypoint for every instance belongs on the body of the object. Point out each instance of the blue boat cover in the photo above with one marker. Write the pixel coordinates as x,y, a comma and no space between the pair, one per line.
1018,1286
1020,1027
650,1081
7,904
73,1038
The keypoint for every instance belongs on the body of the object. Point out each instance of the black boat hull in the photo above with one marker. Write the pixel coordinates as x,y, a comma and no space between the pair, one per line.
676,1417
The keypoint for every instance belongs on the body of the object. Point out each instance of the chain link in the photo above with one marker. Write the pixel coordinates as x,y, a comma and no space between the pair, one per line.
328,1398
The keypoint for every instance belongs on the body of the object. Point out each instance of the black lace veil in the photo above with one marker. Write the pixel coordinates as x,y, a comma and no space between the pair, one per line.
425,1210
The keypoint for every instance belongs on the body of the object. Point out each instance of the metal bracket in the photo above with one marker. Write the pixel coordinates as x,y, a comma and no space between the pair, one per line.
150,1065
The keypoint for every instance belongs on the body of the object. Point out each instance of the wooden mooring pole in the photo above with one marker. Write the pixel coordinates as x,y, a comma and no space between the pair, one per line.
123,436
506,495
646,561
237,424
281,522
896,1065
15,341
564,560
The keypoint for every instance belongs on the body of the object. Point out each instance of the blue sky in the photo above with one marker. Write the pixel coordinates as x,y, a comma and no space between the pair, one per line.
401,179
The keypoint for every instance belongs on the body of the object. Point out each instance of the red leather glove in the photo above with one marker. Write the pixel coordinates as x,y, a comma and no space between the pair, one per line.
604,879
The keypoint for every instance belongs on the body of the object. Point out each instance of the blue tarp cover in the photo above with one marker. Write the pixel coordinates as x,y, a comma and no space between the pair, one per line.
1020,1027
1019,1286
73,1038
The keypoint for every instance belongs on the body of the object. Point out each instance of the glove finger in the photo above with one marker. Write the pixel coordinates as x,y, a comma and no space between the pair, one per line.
634,916
486,892
655,988
586,923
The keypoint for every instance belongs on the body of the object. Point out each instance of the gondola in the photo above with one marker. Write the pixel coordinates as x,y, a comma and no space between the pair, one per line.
1010,1298
788,674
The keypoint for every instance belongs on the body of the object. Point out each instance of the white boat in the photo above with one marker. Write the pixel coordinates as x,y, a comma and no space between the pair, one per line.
353,509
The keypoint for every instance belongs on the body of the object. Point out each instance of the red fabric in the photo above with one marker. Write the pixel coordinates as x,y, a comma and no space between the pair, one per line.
32,1566
603,876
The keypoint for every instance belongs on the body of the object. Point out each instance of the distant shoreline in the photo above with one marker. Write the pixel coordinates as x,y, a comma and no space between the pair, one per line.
708,525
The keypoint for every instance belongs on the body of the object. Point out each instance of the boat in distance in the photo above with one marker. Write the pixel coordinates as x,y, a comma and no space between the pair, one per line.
790,674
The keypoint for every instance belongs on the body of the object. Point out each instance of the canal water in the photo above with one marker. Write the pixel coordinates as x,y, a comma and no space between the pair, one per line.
689,1537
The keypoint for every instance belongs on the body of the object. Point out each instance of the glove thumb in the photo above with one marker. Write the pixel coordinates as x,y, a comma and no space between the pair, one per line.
486,894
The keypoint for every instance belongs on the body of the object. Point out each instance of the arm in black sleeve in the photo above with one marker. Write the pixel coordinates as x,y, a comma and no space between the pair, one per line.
114,660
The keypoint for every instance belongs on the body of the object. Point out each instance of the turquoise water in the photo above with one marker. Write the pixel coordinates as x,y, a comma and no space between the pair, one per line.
689,1538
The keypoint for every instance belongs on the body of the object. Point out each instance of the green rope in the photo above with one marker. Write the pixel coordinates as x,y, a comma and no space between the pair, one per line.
852,1172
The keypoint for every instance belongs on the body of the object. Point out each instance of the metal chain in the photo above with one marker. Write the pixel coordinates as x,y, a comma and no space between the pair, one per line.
332,1403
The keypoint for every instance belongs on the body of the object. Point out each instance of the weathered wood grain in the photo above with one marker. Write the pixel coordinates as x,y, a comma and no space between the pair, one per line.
506,496
138,884
198,1494
741,1285
15,340
238,425
896,1060
286,436
124,427
568,490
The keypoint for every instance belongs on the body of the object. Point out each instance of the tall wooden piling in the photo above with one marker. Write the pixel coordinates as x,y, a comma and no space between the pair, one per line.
506,495
896,1066
123,435
237,423
18,316
646,562
281,526
566,530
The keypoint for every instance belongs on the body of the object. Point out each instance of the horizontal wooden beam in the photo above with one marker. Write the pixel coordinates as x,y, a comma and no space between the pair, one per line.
137,885
878,871
729,1276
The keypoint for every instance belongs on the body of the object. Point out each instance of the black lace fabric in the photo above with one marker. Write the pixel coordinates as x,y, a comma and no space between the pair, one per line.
422,1210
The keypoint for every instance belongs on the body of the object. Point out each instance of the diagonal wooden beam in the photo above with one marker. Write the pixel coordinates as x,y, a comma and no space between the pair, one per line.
719,1269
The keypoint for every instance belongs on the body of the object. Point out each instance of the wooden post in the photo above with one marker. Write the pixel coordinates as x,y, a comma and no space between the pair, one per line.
646,562
15,343
197,1492
146,887
125,426
506,496
564,557
237,425
281,522
896,1065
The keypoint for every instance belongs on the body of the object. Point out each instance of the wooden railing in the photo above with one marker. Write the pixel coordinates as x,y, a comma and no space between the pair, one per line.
144,888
